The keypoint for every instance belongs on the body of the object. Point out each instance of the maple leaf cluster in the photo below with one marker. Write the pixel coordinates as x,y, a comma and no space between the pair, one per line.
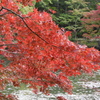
39,52
27,2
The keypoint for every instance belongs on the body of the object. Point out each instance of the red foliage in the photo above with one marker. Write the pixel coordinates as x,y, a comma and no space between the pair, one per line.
38,50
52,11
7,97
61,98
68,33
1,65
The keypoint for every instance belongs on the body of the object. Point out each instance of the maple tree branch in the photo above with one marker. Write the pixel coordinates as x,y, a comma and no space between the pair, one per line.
4,13
22,18
2,96
1,9
29,80
7,45
33,80
9,51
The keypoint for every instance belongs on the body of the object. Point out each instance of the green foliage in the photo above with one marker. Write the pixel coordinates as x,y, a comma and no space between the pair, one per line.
25,9
4,61
92,3
9,89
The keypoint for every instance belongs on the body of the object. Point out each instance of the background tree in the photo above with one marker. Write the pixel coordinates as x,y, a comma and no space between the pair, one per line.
91,22
68,13
92,4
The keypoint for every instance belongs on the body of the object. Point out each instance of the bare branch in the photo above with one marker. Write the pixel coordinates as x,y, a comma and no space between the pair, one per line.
9,51
5,13
34,80
7,45
1,9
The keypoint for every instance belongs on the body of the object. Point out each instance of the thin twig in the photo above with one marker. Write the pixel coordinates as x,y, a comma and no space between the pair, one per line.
33,80
9,51
1,9
4,13
7,45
